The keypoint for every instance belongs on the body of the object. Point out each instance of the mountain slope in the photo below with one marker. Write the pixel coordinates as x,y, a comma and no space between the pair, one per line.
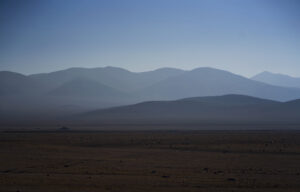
277,79
113,77
231,100
17,84
89,89
169,83
229,108
210,82
86,88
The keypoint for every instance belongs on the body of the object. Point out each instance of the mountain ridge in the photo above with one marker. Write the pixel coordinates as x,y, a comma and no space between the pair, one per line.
277,79
108,87
209,82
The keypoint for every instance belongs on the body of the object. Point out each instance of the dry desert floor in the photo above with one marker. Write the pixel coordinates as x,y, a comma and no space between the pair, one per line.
150,161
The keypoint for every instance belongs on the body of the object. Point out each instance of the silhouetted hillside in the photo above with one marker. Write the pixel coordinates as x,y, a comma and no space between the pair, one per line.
232,100
228,108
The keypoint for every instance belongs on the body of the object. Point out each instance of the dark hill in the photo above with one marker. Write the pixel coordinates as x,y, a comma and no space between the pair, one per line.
229,108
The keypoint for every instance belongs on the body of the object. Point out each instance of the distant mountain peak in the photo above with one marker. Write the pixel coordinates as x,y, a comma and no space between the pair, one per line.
113,68
275,74
213,70
277,79
168,69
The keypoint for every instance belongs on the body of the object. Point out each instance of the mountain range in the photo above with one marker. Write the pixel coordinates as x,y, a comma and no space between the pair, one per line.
164,83
78,90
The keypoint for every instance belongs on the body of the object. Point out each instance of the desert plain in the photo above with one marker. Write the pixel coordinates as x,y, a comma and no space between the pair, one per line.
129,161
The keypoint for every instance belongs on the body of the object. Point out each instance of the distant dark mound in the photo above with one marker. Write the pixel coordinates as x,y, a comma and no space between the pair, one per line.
232,100
228,108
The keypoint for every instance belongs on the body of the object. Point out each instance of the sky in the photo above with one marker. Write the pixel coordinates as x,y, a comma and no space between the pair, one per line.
242,36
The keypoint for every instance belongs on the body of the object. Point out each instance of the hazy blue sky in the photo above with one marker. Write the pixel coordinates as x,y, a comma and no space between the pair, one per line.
242,36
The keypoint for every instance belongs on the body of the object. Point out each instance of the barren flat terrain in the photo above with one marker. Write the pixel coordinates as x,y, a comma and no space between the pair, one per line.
150,161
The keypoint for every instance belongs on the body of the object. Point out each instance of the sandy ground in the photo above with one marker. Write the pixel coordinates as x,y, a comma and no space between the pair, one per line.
150,161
